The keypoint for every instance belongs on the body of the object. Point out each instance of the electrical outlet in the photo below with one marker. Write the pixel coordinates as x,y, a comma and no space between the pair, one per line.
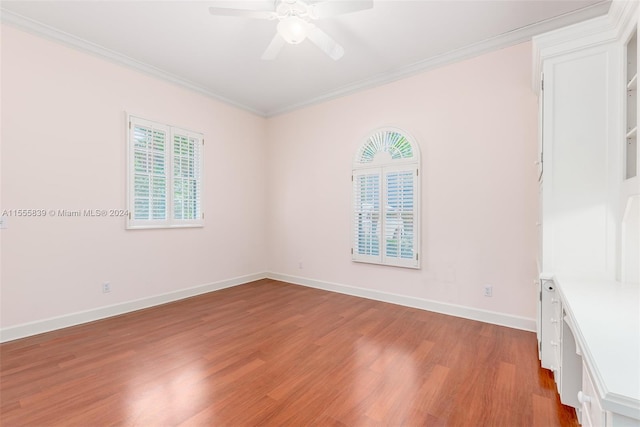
106,287
488,291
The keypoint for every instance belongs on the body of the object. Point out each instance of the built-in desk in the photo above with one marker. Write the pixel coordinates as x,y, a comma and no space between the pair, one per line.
601,322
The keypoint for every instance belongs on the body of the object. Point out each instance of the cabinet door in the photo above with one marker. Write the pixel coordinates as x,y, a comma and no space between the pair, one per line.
581,162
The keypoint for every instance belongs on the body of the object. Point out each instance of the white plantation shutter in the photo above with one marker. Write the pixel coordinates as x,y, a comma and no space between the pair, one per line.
164,175
386,199
400,216
149,170
367,215
187,174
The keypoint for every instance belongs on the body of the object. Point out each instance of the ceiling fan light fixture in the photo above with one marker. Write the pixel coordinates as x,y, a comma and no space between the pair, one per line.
293,29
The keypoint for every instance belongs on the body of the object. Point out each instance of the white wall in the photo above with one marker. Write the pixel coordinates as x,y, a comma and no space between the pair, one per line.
64,147
476,124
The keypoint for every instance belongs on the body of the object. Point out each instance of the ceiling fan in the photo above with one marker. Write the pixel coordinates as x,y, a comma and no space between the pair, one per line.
294,22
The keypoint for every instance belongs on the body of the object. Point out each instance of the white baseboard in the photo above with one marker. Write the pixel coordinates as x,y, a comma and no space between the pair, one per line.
33,328
486,316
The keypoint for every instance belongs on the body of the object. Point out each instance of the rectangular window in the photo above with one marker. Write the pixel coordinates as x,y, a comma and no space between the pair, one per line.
385,214
164,176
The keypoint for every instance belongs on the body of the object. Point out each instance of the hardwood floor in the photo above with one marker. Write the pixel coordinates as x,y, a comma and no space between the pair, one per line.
270,353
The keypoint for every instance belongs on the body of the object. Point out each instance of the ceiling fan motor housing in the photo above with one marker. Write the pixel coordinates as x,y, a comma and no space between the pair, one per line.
287,8
294,22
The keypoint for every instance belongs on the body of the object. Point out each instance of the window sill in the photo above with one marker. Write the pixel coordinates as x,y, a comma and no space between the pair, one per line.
161,227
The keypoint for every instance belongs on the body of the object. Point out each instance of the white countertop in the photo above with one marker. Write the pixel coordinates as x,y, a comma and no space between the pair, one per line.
606,315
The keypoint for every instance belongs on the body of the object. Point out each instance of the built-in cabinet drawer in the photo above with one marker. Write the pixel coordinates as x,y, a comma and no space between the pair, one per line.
558,347
590,406
549,339
556,339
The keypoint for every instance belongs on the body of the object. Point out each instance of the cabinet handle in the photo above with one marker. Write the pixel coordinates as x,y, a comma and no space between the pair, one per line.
583,398
554,320
554,343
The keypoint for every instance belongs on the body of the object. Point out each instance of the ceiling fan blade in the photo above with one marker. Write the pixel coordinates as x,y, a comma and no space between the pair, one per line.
243,13
338,7
325,43
274,48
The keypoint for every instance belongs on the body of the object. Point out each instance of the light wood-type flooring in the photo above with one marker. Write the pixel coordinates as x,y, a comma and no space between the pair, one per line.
273,354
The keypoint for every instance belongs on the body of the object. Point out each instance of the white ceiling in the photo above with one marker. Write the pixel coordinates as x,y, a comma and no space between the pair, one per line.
220,56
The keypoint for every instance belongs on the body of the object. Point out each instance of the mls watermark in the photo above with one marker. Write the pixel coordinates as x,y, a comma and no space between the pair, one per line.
65,213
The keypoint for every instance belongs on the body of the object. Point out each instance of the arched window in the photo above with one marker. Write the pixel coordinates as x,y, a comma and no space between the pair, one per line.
386,199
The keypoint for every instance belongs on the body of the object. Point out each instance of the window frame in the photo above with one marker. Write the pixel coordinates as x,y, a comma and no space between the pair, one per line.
381,166
171,132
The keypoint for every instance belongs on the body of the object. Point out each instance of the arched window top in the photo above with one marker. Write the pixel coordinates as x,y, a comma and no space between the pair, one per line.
386,199
387,145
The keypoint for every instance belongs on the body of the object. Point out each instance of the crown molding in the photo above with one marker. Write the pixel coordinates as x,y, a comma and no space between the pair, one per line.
593,32
621,13
585,34
502,41
499,42
50,33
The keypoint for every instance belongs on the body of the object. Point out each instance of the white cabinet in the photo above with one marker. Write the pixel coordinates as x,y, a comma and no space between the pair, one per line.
586,77
581,180
547,323
588,321
559,351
